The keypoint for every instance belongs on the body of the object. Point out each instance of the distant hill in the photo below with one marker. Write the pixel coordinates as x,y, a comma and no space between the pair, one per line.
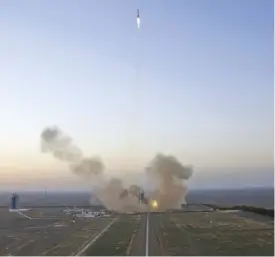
258,197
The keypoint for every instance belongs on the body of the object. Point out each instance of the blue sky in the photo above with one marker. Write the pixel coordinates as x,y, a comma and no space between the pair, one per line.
196,81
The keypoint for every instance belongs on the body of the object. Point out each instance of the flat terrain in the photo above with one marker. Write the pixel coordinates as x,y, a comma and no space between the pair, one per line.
215,233
190,233
118,239
46,235
50,232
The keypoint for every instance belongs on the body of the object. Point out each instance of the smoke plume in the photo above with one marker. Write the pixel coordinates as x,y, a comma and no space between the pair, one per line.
60,145
166,173
114,196
108,191
168,176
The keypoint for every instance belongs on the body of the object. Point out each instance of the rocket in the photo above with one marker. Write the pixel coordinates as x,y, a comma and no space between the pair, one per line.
138,19
141,197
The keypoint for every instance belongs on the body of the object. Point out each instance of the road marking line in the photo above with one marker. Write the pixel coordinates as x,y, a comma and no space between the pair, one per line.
24,215
147,235
95,238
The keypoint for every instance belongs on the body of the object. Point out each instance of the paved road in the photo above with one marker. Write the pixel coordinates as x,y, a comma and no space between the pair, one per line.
154,241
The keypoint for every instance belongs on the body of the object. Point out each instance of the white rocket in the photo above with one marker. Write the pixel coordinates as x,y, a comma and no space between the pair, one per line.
138,19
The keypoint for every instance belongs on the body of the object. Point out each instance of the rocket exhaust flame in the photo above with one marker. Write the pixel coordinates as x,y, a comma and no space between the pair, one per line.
138,23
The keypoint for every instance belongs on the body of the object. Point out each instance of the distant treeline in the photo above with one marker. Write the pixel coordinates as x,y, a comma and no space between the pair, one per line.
258,210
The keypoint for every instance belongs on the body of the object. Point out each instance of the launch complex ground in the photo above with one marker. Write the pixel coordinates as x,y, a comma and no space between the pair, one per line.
200,232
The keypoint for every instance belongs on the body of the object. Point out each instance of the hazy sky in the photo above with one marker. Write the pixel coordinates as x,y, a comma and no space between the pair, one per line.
196,81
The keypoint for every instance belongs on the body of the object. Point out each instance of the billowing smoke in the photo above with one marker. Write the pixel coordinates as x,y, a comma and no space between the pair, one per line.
61,146
108,191
116,197
167,175
88,167
54,141
133,190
